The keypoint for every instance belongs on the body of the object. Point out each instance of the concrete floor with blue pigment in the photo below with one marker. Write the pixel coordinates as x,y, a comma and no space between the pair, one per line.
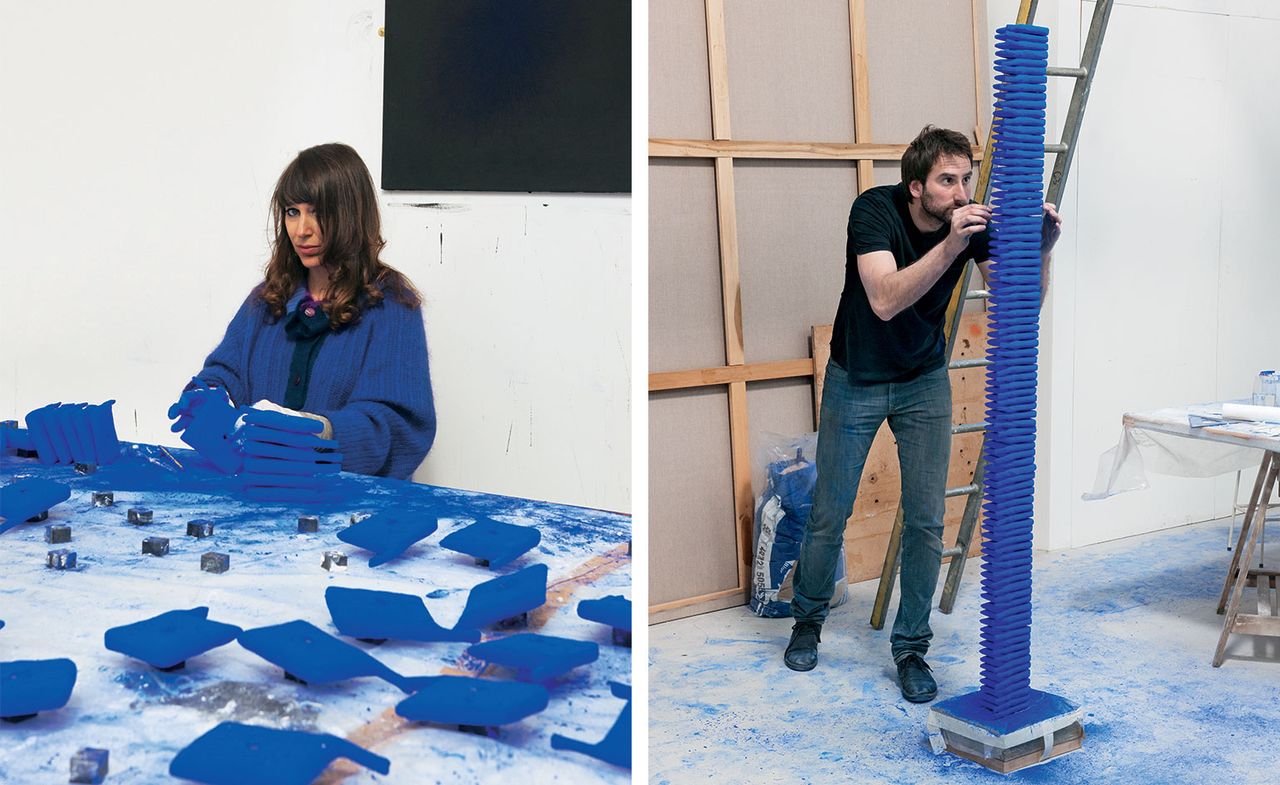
1126,629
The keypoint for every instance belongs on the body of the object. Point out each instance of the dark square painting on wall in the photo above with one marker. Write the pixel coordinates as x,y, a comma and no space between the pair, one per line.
507,95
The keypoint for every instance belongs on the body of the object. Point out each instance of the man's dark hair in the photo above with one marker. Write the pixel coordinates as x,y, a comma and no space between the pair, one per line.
924,151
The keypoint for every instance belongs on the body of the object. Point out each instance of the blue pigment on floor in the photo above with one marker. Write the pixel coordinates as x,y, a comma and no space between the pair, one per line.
1156,711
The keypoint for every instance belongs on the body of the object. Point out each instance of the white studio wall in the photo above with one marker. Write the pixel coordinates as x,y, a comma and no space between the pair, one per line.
140,146
1164,281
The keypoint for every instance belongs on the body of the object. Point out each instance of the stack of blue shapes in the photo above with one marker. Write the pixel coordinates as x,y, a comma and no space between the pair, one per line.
284,458
384,615
13,438
460,700
615,747
492,542
170,639
207,420
28,498
74,432
237,754
33,686
313,656
505,597
389,534
536,657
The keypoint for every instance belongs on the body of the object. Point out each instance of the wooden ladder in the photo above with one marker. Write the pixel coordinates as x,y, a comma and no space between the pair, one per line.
1063,153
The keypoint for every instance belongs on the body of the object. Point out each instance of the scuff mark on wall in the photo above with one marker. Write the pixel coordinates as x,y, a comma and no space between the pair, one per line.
451,206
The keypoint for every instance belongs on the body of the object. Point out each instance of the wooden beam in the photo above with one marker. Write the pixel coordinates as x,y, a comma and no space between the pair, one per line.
728,374
731,290
804,151
718,69
744,500
979,71
707,602
861,89
730,280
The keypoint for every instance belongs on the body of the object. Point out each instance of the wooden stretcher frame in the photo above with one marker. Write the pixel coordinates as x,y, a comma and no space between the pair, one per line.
736,372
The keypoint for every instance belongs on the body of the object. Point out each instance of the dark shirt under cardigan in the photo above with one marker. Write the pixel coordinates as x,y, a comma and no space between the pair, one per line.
869,349
370,379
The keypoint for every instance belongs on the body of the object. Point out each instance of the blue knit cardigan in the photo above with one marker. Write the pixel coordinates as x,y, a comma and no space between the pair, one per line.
370,379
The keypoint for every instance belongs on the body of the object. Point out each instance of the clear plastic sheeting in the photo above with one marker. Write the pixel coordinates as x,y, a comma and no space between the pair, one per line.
1191,441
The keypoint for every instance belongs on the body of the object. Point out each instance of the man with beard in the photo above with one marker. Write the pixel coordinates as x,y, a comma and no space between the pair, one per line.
907,247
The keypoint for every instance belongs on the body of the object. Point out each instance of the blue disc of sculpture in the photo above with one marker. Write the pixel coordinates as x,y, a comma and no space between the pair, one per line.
615,747
171,638
313,656
27,498
492,541
237,754
614,610
105,439
536,657
505,597
28,687
209,430
461,700
389,534
384,615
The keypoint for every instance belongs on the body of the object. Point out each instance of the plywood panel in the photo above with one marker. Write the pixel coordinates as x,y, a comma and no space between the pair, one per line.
792,219
692,543
679,92
890,172
685,325
790,75
920,73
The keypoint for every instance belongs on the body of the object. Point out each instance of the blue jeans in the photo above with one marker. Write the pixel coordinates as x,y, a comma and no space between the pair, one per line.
919,414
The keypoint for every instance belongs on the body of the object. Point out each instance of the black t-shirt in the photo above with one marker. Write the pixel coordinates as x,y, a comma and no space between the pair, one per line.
912,343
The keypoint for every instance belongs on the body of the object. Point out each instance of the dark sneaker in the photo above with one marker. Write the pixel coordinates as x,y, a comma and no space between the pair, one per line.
915,680
802,651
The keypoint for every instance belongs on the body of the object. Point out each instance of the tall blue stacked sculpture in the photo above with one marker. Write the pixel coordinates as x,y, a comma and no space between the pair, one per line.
1005,724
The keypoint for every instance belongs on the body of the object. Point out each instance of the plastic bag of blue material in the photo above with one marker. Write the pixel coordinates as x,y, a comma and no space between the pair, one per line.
782,512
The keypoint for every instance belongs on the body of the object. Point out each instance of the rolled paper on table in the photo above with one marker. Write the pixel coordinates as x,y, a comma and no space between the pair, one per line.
283,422
1244,411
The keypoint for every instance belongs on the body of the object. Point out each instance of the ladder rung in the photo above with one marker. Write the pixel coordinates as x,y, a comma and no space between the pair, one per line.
954,550
1055,148
969,427
963,490
977,294
980,362
1078,73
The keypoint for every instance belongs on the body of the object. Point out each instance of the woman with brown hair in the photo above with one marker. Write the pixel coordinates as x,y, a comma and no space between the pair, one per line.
332,333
